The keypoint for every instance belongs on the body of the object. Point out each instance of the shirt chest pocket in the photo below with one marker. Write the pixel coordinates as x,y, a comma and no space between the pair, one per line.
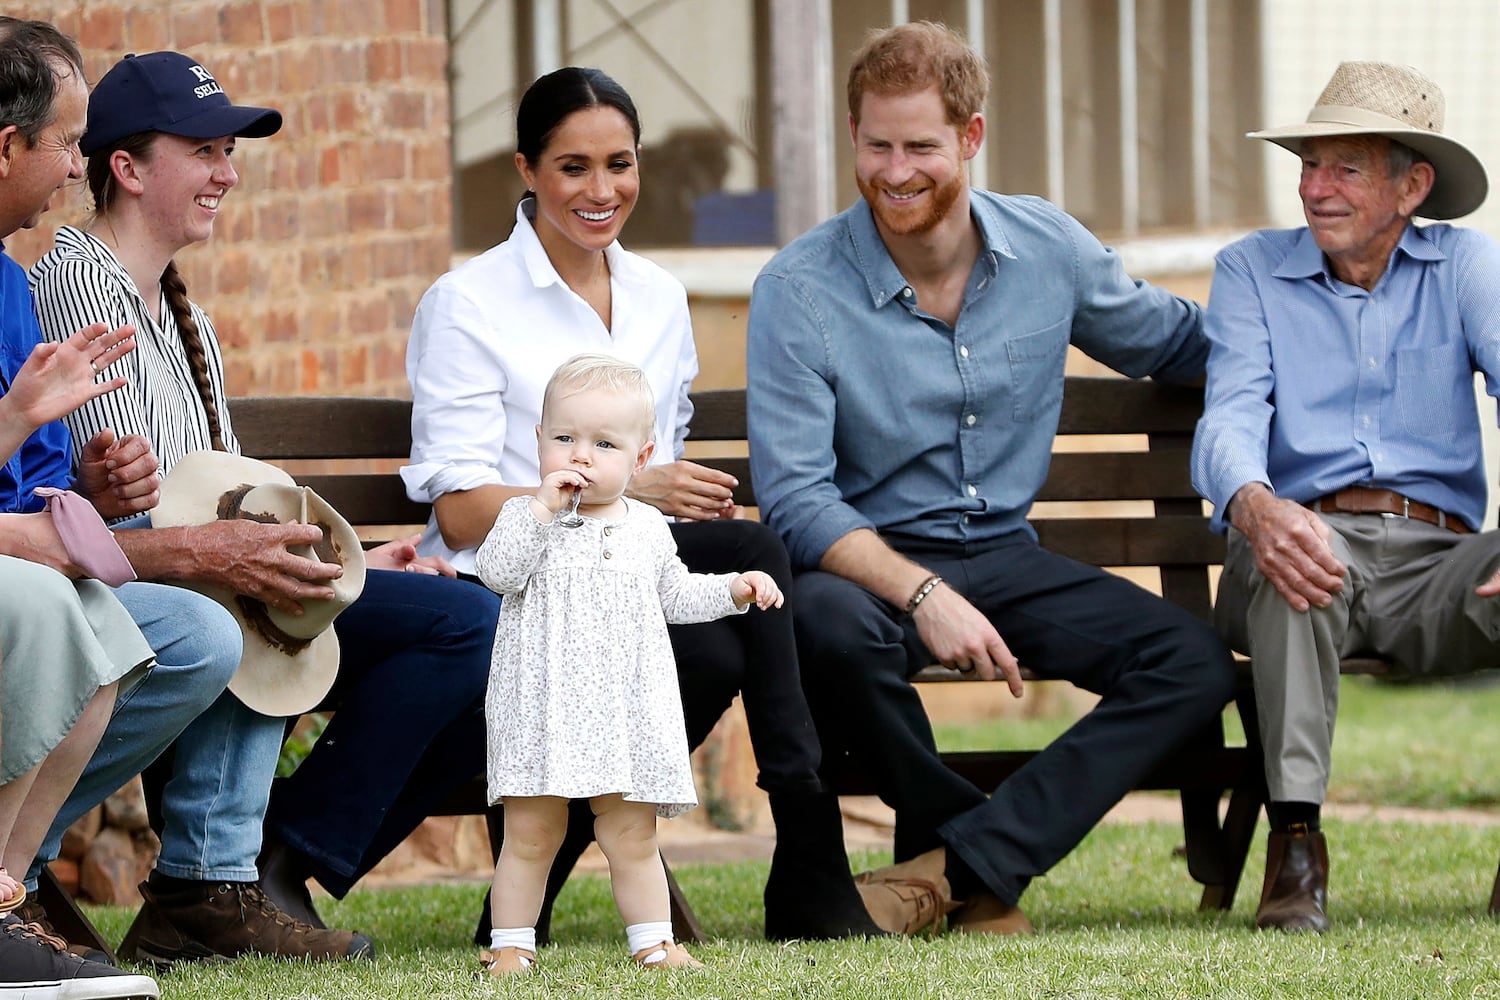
1433,390
1036,372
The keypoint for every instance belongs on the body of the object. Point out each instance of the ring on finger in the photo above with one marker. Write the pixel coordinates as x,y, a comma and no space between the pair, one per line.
97,370
966,670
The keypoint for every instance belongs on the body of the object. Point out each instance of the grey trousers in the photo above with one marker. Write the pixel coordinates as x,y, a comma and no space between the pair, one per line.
1408,597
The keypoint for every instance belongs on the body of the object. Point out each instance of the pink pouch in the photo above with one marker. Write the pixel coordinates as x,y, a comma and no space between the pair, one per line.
90,544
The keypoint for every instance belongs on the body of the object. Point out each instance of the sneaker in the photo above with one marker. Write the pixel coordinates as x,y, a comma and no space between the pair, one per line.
32,912
217,921
36,965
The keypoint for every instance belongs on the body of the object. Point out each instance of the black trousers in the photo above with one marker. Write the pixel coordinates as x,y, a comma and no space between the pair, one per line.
1162,675
753,654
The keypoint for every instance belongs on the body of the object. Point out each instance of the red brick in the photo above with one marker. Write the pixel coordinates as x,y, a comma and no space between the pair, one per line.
390,362
346,113
309,371
231,330
392,258
281,22
240,24
432,158
368,210
403,16
385,160
383,60
102,28
281,326
328,166
232,271
194,28
354,365
146,31
296,70
277,220
238,379
406,109
368,315
427,60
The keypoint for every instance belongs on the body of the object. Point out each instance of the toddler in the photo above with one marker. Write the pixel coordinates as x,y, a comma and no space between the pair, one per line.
583,699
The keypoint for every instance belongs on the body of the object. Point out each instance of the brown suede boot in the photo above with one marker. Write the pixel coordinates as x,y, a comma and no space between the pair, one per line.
910,897
985,913
1295,894
222,920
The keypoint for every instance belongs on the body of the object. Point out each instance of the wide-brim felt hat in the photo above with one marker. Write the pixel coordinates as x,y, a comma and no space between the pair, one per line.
290,661
1398,102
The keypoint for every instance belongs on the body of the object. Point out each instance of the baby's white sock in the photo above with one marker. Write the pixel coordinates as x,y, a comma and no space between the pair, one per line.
523,938
653,932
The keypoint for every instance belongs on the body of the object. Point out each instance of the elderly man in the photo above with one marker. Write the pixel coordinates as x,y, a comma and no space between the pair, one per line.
905,381
1340,443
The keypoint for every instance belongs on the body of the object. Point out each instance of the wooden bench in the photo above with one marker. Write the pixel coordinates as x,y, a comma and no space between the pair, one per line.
1150,466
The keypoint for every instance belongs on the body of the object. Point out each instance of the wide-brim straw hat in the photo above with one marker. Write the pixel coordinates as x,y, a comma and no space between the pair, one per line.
1375,98
290,661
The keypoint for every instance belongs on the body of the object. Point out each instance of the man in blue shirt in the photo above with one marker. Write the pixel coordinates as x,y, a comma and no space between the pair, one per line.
905,381
1340,388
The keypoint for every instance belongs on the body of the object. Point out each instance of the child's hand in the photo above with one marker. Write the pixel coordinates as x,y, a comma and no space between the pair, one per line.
556,491
758,587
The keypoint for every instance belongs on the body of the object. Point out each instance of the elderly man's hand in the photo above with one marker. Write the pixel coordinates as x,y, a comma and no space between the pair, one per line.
252,558
1291,546
960,636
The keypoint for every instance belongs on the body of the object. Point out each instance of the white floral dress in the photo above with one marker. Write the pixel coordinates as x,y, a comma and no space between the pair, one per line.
583,696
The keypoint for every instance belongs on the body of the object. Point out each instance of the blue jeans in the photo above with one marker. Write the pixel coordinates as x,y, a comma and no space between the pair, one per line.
198,647
408,727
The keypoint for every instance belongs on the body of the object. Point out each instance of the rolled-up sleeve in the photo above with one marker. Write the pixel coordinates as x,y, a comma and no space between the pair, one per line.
1233,436
458,384
791,412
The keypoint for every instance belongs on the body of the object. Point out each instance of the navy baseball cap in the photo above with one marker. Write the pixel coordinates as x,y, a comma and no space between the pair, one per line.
167,92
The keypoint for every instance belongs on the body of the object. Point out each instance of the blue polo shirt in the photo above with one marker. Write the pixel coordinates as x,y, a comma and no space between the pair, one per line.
46,459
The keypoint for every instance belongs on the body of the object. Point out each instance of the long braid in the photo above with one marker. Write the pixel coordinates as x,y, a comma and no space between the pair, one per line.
192,342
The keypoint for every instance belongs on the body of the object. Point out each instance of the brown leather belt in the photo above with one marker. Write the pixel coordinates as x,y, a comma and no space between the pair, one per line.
1364,500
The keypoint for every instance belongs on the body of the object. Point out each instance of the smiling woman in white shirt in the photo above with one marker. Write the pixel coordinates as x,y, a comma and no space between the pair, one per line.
486,338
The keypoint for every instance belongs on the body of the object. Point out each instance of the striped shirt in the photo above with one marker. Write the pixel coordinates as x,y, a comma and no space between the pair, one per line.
81,281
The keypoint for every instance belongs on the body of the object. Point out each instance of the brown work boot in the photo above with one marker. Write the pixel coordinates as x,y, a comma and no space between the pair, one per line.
910,897
1295,895
216,921
985,913
32,912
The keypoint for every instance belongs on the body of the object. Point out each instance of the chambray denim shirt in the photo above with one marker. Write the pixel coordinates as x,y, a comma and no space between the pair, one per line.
45,458
1315,385
866,412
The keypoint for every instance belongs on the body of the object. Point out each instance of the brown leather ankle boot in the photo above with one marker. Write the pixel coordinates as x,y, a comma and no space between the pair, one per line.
1295,895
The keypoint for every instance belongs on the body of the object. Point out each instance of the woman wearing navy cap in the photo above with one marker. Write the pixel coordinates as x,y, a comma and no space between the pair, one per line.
415,646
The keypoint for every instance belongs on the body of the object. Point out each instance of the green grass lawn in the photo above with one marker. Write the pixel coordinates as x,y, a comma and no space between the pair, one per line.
1117,918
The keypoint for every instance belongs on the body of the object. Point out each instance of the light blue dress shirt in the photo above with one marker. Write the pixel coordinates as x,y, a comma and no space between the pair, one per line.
1315,385
866,412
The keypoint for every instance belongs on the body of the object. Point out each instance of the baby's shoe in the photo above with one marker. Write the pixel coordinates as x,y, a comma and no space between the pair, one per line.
507,961
667,955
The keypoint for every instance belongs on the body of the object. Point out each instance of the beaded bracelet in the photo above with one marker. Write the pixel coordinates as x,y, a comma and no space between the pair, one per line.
922,592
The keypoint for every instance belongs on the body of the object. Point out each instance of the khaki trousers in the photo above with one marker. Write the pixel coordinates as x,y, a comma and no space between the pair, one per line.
1408,597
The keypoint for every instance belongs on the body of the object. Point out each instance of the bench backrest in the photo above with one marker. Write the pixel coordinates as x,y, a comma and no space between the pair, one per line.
1138,435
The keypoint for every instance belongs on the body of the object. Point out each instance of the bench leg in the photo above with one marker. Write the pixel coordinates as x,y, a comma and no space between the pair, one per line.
1495,894
685,926
65,915
1203,840
1245,803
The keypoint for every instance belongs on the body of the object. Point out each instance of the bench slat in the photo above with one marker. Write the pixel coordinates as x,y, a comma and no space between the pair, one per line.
1113,475
321,427
1133,541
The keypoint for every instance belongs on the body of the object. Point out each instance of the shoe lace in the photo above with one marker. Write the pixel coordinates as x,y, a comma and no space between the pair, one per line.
927,896
31,929
252,897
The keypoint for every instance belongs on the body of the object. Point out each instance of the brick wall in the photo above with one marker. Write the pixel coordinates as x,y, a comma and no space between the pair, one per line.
342,219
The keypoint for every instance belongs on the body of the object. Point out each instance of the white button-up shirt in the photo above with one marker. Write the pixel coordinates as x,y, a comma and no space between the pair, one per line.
488,335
